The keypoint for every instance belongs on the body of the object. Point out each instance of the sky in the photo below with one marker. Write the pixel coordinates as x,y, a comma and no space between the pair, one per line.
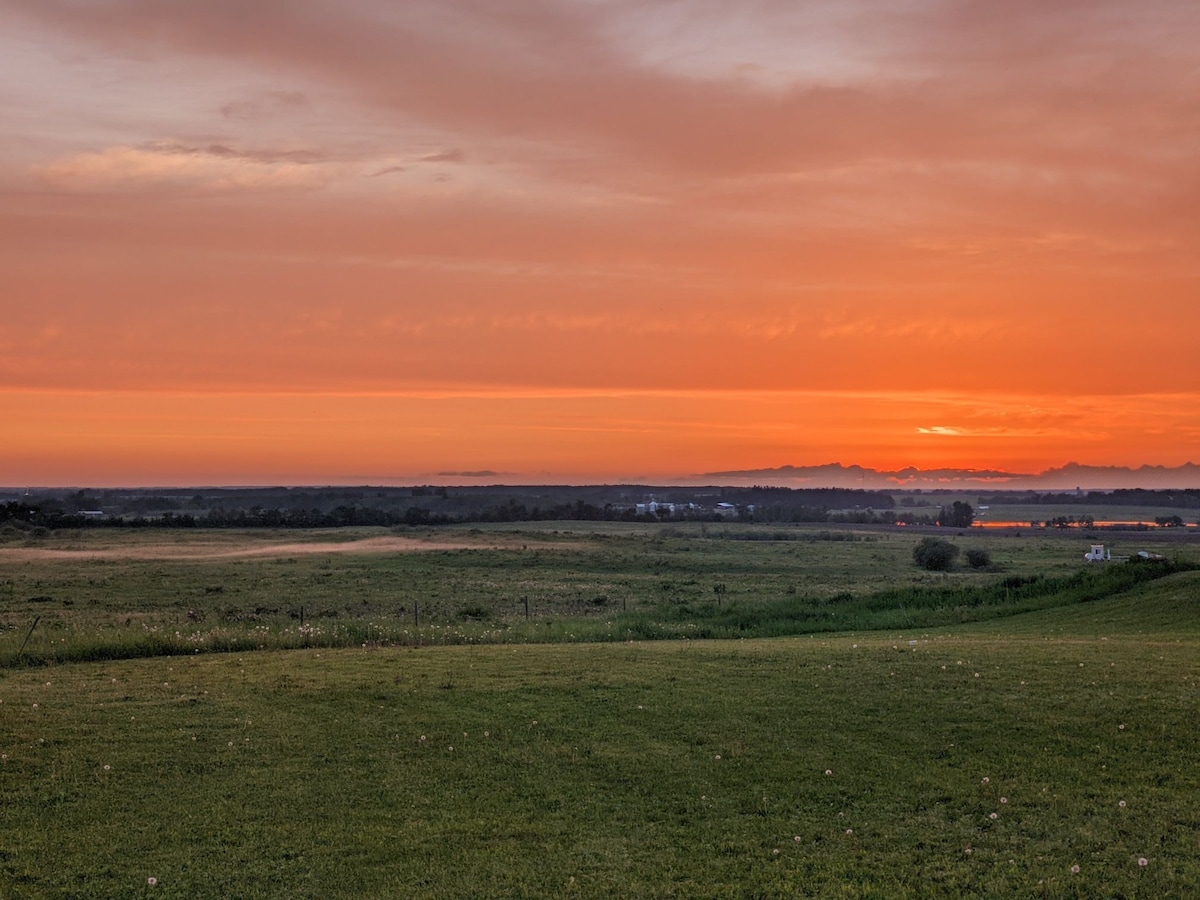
307,242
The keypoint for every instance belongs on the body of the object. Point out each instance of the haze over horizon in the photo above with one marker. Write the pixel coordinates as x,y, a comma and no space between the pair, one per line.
595,240
1069,478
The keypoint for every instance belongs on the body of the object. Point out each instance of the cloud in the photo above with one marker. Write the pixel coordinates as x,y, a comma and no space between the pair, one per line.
1066,88
165,164
1061,478
302,157
267,106
965,130
941,430
451,156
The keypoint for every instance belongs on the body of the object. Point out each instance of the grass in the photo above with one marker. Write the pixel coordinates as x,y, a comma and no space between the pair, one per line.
645,769
668,768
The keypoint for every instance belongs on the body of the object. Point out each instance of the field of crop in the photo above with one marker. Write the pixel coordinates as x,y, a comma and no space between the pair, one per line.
1048,753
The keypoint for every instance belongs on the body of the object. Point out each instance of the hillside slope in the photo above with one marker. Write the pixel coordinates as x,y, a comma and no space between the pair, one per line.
1169,606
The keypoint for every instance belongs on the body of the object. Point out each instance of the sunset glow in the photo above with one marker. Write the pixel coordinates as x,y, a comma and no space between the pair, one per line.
594,240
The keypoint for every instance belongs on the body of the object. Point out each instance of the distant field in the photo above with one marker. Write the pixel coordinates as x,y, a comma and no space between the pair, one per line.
1024,513
103,594
1027,513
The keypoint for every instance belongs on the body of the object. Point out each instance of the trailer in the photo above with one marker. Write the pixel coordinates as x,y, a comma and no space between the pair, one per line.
1099,554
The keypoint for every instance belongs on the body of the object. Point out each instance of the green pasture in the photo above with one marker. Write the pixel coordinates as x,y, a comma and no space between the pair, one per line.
969,761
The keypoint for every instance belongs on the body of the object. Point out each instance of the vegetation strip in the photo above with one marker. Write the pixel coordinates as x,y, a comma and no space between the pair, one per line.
909,607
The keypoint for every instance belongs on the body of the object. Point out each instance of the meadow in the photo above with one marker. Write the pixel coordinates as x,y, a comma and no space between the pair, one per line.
74,596
1037,746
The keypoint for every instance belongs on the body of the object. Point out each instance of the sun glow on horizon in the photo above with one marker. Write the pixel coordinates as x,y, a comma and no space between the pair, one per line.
177,438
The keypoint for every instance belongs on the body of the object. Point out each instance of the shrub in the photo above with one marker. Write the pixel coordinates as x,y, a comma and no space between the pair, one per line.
935,554
978,558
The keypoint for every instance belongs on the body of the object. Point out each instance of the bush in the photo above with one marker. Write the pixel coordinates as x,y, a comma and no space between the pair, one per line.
935,554
978,559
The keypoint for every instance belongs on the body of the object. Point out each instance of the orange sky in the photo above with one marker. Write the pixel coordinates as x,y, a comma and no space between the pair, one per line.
594,240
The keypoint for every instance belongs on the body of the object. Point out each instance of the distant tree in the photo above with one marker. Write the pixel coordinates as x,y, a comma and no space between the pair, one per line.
959,515
935,554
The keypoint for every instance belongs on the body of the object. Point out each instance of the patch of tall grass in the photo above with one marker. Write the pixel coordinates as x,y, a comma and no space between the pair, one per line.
914,606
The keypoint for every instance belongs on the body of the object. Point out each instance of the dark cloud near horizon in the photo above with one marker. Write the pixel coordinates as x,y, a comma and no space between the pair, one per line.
1066,477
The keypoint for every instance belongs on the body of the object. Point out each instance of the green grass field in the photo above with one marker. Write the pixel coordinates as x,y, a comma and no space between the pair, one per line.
978,760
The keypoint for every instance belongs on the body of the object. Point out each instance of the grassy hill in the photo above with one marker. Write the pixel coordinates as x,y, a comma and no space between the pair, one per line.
972,761
1168,607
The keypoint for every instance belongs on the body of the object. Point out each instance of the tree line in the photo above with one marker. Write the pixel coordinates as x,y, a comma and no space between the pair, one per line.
1188,498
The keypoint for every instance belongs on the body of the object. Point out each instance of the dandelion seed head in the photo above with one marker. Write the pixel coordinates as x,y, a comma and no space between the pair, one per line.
798,839
1075,869
152,881
1143,862
1003,799
985,780
829,772
1121,803
994,816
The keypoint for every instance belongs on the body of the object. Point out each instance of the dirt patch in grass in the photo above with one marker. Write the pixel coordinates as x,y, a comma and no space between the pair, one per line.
230,550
